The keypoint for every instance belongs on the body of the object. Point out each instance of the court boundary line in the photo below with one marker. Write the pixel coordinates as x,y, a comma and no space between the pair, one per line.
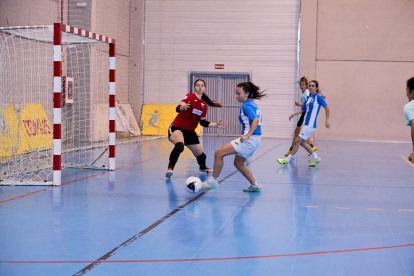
93,264
213,259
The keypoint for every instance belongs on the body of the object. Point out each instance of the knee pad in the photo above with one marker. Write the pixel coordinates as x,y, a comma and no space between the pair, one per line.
179,147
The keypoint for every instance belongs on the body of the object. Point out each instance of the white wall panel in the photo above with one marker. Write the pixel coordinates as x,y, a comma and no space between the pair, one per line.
246,36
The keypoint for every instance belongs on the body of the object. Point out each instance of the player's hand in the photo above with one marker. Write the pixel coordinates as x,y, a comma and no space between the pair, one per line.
186,105
328,125
244,138
221,124
291,116
411,157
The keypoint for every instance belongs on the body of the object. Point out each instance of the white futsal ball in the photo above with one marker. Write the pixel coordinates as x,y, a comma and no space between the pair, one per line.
193,184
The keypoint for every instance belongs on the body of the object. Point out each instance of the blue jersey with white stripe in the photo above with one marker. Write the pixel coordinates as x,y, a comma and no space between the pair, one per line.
312,107
248,112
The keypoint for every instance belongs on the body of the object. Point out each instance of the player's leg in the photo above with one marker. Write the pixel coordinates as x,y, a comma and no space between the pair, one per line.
295,135
311,145
201,157
305,134
177,138
219,155
193,144
240,164
295,149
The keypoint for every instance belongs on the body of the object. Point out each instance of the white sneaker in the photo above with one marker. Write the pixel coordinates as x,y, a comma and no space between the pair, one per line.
210,183
169,174
253,188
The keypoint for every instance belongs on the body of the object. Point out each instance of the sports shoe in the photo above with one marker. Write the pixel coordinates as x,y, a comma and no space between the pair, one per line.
206,170
287,153
253,188
210,183
169,173
282,161
314,149
315,161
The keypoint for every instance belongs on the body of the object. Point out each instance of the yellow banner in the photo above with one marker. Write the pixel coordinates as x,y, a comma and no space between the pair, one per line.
9,125
35,128
157,118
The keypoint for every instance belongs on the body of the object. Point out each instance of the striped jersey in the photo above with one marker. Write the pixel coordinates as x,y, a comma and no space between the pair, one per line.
248,112
312,107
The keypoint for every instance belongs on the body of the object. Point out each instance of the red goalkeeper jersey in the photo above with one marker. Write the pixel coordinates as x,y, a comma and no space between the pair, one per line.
189,119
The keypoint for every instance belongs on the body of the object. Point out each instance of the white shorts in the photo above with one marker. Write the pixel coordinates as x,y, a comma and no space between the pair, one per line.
248,147
306,132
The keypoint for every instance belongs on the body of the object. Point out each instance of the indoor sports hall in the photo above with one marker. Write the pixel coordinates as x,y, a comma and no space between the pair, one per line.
89,89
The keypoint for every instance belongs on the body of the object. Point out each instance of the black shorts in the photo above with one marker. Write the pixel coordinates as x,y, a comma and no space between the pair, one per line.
190,137
302,117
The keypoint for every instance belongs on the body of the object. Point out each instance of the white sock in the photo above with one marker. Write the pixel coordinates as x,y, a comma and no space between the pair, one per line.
314,155
289,158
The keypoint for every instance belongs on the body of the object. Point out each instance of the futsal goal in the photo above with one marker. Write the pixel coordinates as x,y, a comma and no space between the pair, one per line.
57,103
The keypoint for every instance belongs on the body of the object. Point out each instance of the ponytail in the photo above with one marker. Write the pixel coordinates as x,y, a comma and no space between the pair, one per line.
253,90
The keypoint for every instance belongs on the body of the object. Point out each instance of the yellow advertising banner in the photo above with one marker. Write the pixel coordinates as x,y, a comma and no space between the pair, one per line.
9,124
35,128
157,118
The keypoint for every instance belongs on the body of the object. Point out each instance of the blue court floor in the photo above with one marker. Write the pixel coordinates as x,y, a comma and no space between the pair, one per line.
353,214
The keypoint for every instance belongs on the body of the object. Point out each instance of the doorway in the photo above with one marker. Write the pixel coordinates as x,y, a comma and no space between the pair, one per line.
221,88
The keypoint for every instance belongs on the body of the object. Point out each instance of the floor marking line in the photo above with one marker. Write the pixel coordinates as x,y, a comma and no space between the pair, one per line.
342,208
406,160
401,210
212,259
158,222
80,179
373,209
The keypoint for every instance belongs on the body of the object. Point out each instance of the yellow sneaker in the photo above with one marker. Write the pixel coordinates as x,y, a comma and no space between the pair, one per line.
282,161
287,153
315,161
314,149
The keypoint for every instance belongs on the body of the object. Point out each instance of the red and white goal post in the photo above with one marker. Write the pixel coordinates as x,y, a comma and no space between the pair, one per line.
48,125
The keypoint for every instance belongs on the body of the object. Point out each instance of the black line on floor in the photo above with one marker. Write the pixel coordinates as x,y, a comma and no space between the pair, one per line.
158,222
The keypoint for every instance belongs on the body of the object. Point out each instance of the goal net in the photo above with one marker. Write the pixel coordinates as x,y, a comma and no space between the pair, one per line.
57,99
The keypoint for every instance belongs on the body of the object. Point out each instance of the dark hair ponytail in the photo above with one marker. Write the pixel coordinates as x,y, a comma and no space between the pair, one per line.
252,89
205,98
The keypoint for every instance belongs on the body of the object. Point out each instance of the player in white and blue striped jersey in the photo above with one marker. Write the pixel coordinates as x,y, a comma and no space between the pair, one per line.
312,108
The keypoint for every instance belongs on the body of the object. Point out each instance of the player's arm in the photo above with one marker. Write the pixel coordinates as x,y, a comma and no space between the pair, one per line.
298,104
253,127
299,111
205,123
182,106
327,117
411,156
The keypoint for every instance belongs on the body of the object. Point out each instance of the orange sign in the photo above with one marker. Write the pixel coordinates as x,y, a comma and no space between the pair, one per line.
219,66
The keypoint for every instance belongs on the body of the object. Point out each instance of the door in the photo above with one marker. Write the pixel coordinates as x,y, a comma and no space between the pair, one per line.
222,88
